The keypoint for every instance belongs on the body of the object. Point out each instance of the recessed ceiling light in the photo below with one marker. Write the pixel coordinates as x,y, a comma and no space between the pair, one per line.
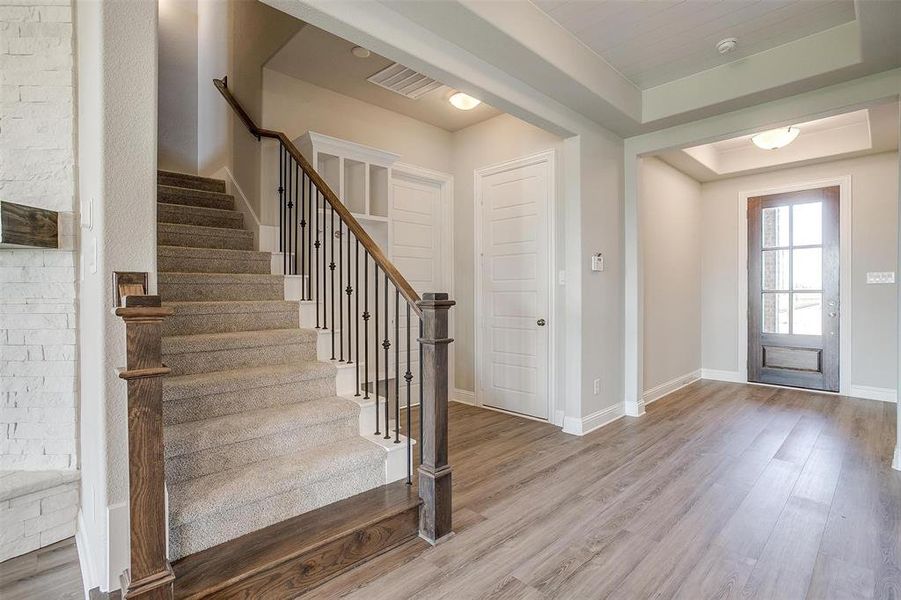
776,138
360,52
727,45
464,101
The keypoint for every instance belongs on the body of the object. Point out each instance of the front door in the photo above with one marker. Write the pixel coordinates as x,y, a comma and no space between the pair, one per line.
793,287
514,271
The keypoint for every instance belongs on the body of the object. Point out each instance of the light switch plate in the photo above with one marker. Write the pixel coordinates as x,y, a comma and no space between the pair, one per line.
881,277
597,262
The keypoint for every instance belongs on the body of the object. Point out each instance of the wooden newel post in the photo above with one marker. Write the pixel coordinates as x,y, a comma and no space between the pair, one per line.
434,472
150,575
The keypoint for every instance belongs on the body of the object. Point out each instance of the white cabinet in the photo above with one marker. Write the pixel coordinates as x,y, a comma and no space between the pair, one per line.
358,174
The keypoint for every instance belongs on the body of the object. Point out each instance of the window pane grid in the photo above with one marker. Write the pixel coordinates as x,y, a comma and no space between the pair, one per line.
780,305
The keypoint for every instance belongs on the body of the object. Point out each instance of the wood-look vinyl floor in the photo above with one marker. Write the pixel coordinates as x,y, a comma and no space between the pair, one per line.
721,491
51,573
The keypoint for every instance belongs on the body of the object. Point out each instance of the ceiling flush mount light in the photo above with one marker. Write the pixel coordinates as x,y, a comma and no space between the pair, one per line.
727,45
360,52
464,101
775,138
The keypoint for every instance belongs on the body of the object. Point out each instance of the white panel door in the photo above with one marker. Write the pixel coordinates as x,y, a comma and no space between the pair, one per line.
513,357
416,250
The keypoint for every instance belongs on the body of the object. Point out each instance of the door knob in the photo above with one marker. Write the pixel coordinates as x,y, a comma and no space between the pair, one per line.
541,322
832,314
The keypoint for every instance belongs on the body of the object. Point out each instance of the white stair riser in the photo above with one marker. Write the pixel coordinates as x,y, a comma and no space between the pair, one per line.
395,453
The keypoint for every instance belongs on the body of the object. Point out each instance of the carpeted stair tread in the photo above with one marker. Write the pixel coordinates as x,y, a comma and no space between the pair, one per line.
199,215
209,342
221,316
196,436
212,260
195,198
187,180
177,286
203,307
197,236
196,498
219,382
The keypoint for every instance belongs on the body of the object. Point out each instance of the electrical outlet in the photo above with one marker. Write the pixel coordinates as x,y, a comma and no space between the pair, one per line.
561,277
597,386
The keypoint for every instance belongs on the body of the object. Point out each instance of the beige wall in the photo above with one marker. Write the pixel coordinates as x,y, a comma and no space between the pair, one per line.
494,141
177,91
295,107
258,31
670,213
874,191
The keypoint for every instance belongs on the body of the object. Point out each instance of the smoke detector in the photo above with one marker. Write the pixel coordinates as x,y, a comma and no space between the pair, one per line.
727,45
360,52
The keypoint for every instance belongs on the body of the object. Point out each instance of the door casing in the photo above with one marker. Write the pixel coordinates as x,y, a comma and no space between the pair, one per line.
845,212
548,157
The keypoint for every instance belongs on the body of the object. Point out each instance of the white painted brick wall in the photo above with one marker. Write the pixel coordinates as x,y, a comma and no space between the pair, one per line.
38,404
37,519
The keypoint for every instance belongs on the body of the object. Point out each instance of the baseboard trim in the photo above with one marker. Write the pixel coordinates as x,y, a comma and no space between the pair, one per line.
668,387
243,205
868,392
83,547
587,424
465,397
730,376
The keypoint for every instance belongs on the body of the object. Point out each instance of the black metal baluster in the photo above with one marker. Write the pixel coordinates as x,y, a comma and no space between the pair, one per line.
396,365
349,290
386,344
340,283
365,324
315,210
375,340
420,390
289,226
408,377
357,312
331,266
303,233
324,264
310,240
285,226
281,198
298,217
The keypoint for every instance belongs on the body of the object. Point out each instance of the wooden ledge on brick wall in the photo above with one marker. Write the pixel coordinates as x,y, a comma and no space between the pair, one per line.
28,227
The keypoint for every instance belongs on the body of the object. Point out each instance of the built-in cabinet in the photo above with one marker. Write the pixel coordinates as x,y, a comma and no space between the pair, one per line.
360,175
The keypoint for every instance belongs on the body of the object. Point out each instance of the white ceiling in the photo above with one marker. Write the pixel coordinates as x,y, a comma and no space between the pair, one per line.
336,69
657,41
856,133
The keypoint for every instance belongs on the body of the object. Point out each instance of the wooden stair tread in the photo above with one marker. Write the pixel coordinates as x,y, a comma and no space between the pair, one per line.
288,558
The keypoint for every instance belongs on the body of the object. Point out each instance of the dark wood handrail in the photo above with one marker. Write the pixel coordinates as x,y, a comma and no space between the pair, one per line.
402,285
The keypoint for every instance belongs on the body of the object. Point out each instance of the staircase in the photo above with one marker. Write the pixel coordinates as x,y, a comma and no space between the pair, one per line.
259,462
254,430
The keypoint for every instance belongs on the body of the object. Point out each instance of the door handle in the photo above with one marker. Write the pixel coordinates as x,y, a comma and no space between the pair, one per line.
832,314
541,322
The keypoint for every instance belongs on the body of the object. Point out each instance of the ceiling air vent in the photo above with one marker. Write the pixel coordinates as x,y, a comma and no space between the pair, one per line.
406,82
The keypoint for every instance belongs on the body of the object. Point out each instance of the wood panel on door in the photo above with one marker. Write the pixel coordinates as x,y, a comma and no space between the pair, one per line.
793,289
513,352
